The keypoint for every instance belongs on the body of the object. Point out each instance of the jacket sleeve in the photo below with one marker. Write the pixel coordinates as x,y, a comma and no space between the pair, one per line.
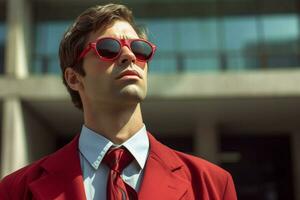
4,192
229,193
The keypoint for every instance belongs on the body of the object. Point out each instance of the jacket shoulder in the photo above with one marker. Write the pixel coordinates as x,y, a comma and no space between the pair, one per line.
16,182
17,185
212,179
206,180
24,171
192,165
35,169
198,165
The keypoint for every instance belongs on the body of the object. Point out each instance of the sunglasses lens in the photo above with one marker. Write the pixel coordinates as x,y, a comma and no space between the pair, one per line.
141,49
108,48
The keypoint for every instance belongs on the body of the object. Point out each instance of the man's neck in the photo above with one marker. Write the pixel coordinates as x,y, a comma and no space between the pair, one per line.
116,124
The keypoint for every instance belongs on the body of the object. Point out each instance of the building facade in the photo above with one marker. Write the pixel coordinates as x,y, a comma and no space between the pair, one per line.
224,85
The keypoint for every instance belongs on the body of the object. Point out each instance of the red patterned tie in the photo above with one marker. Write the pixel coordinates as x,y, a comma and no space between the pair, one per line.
117,189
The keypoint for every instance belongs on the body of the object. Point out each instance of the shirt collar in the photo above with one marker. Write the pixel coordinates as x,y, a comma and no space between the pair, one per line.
138,146
93,146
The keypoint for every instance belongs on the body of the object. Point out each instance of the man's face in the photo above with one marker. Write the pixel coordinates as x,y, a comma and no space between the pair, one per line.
102,83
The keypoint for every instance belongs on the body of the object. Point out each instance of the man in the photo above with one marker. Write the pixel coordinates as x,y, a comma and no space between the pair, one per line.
104,60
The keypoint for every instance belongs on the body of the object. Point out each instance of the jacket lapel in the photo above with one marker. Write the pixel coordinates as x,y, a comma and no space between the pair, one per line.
62,179
163,175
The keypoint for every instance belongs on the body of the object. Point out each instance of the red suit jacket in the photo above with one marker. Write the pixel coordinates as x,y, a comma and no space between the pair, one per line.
169,175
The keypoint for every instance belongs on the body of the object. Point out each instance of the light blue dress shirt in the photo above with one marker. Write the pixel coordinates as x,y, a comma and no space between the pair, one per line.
93,147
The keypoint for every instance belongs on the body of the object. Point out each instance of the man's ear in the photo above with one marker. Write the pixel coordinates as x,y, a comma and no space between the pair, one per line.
73,79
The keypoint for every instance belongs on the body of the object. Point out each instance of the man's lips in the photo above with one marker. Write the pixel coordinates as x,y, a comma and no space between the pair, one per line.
129,73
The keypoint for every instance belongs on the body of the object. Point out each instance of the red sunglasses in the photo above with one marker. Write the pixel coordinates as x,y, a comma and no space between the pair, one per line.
108,48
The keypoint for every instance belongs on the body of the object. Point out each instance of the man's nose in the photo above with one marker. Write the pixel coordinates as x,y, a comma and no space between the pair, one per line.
126,56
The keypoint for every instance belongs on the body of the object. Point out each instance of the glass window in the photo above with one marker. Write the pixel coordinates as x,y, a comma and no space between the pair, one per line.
197,35
198,44
240,42
163,64
281,40
280,28
242,62
177,40
48,37
2,46
161,33
240,33
283,61
201,63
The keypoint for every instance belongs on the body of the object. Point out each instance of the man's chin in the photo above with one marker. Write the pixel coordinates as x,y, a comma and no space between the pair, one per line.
132,94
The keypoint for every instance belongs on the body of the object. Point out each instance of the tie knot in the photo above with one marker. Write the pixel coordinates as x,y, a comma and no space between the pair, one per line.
117,159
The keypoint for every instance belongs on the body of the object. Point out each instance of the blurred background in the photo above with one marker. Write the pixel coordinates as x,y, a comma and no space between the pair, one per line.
224,85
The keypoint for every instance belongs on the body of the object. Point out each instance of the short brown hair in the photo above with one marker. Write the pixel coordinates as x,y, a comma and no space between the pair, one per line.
75,38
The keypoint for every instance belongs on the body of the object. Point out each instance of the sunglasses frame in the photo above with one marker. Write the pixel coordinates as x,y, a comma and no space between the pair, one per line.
122,42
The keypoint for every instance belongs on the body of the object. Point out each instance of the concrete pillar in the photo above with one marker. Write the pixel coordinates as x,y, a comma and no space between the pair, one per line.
18,38
207,143
14,147
295,142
